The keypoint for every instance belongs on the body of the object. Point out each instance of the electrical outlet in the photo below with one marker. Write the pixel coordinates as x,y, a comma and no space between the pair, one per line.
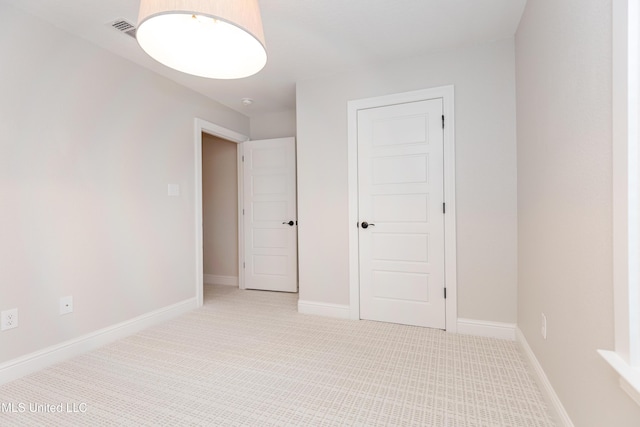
66,305
9,319
543,326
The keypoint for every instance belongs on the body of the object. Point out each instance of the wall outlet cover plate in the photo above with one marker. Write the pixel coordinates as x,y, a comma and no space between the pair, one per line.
9,319
66,305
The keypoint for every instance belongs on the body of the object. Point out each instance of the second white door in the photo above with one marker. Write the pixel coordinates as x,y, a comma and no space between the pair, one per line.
270,221
401,229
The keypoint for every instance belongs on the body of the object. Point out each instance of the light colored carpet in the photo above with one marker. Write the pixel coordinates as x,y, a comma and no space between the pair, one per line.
248,358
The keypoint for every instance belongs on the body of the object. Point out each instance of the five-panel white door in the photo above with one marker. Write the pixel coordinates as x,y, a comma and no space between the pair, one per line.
400,207
270,222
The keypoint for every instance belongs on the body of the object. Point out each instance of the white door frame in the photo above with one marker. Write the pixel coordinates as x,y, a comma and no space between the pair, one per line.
200,126
446,93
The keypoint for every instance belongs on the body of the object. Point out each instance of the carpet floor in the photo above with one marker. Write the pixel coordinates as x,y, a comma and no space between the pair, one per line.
247,358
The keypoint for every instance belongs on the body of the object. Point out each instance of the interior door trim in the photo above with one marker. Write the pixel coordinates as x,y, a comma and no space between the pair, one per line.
201,126
447,95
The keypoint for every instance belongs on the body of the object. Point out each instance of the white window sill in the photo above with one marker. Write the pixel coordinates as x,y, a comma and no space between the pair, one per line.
629,376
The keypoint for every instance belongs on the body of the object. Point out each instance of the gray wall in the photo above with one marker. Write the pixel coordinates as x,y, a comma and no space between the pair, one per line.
89,143
279,124
564,92
484,80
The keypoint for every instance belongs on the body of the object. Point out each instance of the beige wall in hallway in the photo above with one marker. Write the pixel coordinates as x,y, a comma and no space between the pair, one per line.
280,124
220,206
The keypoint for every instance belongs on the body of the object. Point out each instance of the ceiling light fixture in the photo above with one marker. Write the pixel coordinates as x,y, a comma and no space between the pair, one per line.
220,39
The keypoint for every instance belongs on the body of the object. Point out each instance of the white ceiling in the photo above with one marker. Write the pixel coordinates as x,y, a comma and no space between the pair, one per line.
305,38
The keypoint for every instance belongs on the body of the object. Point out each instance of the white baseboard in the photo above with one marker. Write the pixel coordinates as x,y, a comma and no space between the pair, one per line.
324,309
484,328
543,382
21,366
214,279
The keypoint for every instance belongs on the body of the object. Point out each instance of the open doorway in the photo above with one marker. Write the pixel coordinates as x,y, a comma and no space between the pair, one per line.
219,211
201,128
267,254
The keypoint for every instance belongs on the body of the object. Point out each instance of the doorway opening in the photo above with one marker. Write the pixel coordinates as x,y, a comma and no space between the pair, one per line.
220,211
266,222
203,127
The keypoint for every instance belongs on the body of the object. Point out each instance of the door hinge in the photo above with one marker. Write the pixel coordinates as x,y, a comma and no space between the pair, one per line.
445,293
243,265
443,121
444,209
243,156
242,211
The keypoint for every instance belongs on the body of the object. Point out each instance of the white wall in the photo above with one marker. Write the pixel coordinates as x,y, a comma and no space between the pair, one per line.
484,80
220,206
564,95
279,124
88,144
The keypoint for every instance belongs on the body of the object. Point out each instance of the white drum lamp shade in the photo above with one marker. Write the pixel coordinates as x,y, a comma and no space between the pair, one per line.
220,39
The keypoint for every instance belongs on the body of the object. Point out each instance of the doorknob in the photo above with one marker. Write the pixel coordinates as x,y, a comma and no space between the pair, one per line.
290,223
365,224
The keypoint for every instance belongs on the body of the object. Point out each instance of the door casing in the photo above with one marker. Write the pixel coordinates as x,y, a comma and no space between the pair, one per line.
201,126
446,93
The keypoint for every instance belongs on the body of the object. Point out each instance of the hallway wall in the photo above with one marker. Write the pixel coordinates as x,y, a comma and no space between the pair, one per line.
220,206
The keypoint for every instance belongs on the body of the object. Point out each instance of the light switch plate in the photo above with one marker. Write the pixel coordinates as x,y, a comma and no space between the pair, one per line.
173,190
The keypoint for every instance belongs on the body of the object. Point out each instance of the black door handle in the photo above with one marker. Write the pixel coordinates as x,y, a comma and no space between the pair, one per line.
365,224
290,223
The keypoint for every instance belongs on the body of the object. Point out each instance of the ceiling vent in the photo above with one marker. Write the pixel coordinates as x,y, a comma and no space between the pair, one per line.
123,26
